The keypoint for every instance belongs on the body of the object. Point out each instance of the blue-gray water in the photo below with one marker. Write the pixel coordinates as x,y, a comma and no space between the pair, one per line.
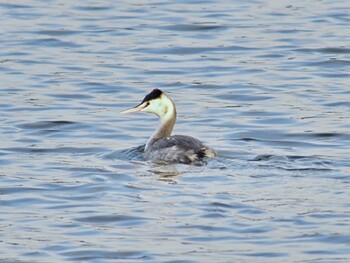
266,83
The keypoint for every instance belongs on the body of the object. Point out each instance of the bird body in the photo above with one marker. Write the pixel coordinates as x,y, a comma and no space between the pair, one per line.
162,147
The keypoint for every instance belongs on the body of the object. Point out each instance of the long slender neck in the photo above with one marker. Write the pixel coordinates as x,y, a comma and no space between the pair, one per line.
166,127
167,122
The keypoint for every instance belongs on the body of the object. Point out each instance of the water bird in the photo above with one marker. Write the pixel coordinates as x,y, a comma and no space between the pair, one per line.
162,146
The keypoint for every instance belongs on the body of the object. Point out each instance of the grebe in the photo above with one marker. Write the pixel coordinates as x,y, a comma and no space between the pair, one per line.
162,147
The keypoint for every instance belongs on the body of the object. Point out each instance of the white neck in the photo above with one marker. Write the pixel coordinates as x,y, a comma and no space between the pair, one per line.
167,122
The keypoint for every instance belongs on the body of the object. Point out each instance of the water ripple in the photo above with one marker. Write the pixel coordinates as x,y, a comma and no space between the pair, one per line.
328,50
257,80
194,27
88,255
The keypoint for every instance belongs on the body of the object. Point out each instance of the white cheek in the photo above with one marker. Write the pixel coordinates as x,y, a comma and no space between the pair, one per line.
153,107
158,107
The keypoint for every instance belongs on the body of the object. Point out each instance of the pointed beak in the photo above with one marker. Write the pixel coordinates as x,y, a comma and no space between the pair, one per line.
138,108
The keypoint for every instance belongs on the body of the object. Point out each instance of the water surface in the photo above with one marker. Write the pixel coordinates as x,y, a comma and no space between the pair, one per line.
264,83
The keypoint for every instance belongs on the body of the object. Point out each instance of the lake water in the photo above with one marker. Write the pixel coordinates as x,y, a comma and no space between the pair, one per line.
266,83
